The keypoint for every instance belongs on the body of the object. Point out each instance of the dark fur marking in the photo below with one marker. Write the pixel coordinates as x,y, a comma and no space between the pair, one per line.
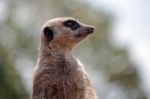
46,93
71,24
55,90
48,32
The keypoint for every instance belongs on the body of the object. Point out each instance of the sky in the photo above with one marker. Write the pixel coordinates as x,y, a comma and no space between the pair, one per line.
131,30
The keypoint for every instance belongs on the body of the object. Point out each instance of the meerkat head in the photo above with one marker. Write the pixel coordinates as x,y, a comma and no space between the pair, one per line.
64,33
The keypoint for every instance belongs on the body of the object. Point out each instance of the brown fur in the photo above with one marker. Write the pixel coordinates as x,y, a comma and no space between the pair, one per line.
58,75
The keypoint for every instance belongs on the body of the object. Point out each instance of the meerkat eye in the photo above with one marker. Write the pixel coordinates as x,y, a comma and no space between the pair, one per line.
71,24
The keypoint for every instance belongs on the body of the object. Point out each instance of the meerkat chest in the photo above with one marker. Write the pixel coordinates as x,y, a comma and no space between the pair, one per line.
61,78
71,69
72,77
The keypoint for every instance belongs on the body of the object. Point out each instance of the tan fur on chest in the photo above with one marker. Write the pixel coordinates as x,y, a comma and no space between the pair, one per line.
65,79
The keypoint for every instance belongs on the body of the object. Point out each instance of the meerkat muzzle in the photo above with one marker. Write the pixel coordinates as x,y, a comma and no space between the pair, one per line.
89,29
84,31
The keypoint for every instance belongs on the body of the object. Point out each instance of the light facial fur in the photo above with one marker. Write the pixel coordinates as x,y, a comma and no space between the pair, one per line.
58,75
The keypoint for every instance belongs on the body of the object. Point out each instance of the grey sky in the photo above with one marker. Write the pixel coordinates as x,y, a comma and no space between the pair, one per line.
131,30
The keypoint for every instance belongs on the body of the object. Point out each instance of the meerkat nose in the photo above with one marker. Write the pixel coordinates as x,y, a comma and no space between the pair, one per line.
90,29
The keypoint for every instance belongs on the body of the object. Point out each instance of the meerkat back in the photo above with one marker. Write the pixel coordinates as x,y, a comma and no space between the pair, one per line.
58,75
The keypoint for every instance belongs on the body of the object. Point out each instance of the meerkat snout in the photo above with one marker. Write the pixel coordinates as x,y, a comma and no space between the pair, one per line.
80,28
89,29
85,31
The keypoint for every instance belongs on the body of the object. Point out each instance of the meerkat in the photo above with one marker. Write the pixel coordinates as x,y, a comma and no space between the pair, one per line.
58,74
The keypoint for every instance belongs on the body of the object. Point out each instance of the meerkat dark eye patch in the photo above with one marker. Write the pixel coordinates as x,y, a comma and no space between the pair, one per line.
71,24
48,32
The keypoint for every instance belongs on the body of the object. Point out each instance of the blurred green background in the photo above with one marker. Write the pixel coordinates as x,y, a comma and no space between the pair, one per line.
113,75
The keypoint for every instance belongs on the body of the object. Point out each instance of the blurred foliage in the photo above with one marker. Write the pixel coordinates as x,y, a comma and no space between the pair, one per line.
20,30
10,83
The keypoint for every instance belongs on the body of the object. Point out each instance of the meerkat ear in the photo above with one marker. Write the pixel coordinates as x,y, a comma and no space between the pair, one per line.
48,32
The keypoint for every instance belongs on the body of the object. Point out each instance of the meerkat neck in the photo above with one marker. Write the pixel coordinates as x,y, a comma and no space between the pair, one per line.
54,52
50,57
55,49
